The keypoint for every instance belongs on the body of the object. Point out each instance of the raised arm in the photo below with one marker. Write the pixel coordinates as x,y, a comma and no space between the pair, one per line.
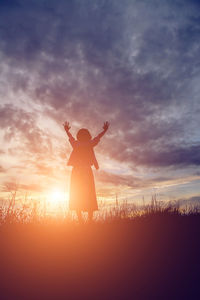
105,128
96,140
71,138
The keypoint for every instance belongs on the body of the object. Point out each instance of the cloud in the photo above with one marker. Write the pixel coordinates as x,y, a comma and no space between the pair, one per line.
134,63
119,180
18,122
167,155
134,182
11,186
2,169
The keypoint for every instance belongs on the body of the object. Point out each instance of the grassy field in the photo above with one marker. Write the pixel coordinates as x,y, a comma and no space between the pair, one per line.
152,256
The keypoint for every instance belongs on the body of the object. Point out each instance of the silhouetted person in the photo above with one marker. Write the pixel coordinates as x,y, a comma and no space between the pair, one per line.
82,186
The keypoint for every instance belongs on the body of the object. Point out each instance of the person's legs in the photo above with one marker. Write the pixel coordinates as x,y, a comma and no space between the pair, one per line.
79,215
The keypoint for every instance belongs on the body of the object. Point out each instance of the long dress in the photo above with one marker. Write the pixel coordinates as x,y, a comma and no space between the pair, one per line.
82,189
82,185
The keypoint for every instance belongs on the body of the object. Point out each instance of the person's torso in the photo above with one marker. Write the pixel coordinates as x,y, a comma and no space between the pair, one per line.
83,153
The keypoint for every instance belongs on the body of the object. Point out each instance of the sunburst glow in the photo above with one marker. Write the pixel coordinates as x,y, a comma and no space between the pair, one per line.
57,197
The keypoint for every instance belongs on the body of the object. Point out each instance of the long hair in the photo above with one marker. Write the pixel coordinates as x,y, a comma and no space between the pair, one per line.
83,135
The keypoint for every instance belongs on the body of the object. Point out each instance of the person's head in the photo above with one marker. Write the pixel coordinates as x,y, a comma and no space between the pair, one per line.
83,135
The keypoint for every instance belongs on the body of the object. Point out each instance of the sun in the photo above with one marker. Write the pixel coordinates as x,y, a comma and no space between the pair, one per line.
56,197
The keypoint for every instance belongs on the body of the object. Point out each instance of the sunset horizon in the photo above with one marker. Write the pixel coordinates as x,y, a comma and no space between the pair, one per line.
100,149
87,63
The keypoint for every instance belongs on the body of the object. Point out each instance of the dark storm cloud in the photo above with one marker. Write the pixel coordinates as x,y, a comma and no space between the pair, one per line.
132,62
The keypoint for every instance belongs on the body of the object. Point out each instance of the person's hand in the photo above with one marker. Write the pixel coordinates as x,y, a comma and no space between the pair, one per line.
105,126
67,126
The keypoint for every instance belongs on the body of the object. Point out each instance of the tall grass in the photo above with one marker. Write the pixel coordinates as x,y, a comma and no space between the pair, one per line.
30,212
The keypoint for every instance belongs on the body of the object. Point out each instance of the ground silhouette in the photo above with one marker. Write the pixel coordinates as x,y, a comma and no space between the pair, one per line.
150,257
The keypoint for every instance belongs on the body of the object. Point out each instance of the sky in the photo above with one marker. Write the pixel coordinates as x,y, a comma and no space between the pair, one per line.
134,63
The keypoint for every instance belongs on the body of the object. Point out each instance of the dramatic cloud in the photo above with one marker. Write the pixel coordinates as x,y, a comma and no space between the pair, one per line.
133,63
